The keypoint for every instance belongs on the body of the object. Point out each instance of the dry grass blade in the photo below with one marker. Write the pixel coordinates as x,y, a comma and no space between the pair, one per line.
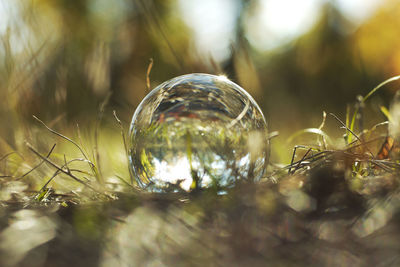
58,171
148,85
7,155
62,136
92,166
64,171
66,164
272,135
4,157
78,130
96,168
312,131
354,144
125,182
293,156
125,144
390,164
383,166
385,123
309,159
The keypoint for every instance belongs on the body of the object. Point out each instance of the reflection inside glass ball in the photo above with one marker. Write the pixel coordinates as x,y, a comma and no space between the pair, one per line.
197,131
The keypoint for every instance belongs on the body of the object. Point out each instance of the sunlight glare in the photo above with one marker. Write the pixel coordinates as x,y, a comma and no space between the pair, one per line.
213,24
7,11
173,173
358,10
272,23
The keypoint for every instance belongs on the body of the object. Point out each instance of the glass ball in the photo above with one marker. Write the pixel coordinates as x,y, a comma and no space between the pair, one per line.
197,131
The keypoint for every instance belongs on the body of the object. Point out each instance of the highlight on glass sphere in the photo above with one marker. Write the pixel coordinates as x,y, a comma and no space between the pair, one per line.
197,131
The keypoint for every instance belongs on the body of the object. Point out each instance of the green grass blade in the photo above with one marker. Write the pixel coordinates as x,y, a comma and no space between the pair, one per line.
386,112
395,78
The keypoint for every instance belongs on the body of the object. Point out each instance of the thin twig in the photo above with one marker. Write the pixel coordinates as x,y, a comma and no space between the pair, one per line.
58,171
63,171
302,159
48,181
313,158
92,166
348,129
37,166
292,163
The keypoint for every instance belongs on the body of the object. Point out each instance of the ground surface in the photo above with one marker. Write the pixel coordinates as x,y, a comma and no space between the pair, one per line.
303,220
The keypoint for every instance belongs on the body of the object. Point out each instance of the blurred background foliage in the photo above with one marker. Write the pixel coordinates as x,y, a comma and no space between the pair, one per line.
74,62
60,59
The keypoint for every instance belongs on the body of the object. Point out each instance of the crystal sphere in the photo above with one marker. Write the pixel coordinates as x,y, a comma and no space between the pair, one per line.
197,131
